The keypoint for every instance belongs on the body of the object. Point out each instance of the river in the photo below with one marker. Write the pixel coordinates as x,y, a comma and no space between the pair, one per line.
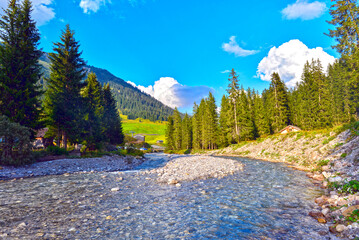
265,201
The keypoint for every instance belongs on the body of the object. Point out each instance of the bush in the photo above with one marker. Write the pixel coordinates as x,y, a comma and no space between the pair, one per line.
55,150
15,144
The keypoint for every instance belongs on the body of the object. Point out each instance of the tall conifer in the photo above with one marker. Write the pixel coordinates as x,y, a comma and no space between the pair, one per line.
19,67
63,104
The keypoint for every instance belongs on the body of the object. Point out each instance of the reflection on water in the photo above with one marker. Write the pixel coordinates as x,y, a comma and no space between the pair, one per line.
265,201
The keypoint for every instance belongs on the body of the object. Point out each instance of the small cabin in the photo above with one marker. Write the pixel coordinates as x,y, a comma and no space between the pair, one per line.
289,129
41,141
159,141
139,137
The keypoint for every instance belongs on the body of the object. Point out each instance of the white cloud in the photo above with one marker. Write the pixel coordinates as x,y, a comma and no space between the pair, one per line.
226,71
89,6
42,10
289,59
173,94
304,10
233,47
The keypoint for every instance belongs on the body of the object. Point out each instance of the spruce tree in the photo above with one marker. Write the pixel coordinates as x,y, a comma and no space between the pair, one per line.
169,134
93,109
233,91
110,119
225,120
63,104
279,104
196,128
211,120
177,132
19,67
186,132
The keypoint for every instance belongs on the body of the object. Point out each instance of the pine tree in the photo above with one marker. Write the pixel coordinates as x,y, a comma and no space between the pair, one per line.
177,132
261,119
111,122
211,120
278,104
63,104
169,134
345,19
225,120
186,132
93,101
233,91
245,122
196,128
19,67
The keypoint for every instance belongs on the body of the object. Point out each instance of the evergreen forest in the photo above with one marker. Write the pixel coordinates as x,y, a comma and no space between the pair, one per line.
74,106
322,99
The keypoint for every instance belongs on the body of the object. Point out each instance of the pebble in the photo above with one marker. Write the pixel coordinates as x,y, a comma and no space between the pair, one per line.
115,189
340,228
325,211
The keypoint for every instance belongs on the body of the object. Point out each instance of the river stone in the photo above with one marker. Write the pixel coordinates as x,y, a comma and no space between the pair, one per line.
115,189
349,210
172,182
355,225
325,211
340,228
322,220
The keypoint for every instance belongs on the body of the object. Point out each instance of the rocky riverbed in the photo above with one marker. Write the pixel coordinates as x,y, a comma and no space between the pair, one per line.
67,166
264,201
331,160
189,168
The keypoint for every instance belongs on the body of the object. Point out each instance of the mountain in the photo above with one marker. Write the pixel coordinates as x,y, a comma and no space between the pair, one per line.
130,100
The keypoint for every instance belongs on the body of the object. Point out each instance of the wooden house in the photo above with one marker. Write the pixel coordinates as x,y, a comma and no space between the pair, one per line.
289,129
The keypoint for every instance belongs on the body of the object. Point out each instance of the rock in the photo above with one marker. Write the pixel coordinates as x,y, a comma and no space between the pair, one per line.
178,185
322,220
316,215
115,189
318,177
355,225
172,182
347,212
340,228
22,225
325,211
72,229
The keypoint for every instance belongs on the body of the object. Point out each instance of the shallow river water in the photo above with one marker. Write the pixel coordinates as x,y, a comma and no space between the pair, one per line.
265,201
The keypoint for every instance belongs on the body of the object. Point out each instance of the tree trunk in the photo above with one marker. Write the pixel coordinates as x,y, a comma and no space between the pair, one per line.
64,140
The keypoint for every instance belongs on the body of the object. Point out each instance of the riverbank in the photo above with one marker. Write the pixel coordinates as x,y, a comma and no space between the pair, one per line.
67,166
331,159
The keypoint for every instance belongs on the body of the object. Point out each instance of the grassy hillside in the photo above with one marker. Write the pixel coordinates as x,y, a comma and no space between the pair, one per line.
153,131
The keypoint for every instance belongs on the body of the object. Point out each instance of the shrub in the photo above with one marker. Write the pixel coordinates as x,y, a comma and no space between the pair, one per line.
55,150
15,145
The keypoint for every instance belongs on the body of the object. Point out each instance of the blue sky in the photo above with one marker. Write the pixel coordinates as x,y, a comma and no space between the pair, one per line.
177,51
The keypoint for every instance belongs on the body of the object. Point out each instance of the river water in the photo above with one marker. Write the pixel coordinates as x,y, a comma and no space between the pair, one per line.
265,201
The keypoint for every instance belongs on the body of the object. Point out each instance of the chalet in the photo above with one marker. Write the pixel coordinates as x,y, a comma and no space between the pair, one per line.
41,141
289,129
139,137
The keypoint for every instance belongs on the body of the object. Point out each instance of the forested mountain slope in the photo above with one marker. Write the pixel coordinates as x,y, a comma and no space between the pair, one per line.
130,100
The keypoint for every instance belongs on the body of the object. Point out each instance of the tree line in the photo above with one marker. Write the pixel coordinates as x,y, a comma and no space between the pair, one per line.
321,99
76,107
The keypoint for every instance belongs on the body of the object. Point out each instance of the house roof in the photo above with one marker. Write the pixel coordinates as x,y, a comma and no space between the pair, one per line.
290,127
41,132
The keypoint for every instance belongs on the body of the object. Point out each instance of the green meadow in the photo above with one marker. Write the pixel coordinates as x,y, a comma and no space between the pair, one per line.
153,131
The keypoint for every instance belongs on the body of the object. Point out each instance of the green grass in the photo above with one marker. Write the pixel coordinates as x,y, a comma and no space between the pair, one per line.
153,131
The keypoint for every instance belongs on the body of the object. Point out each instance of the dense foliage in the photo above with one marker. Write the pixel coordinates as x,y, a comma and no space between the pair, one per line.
19,67
15,144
